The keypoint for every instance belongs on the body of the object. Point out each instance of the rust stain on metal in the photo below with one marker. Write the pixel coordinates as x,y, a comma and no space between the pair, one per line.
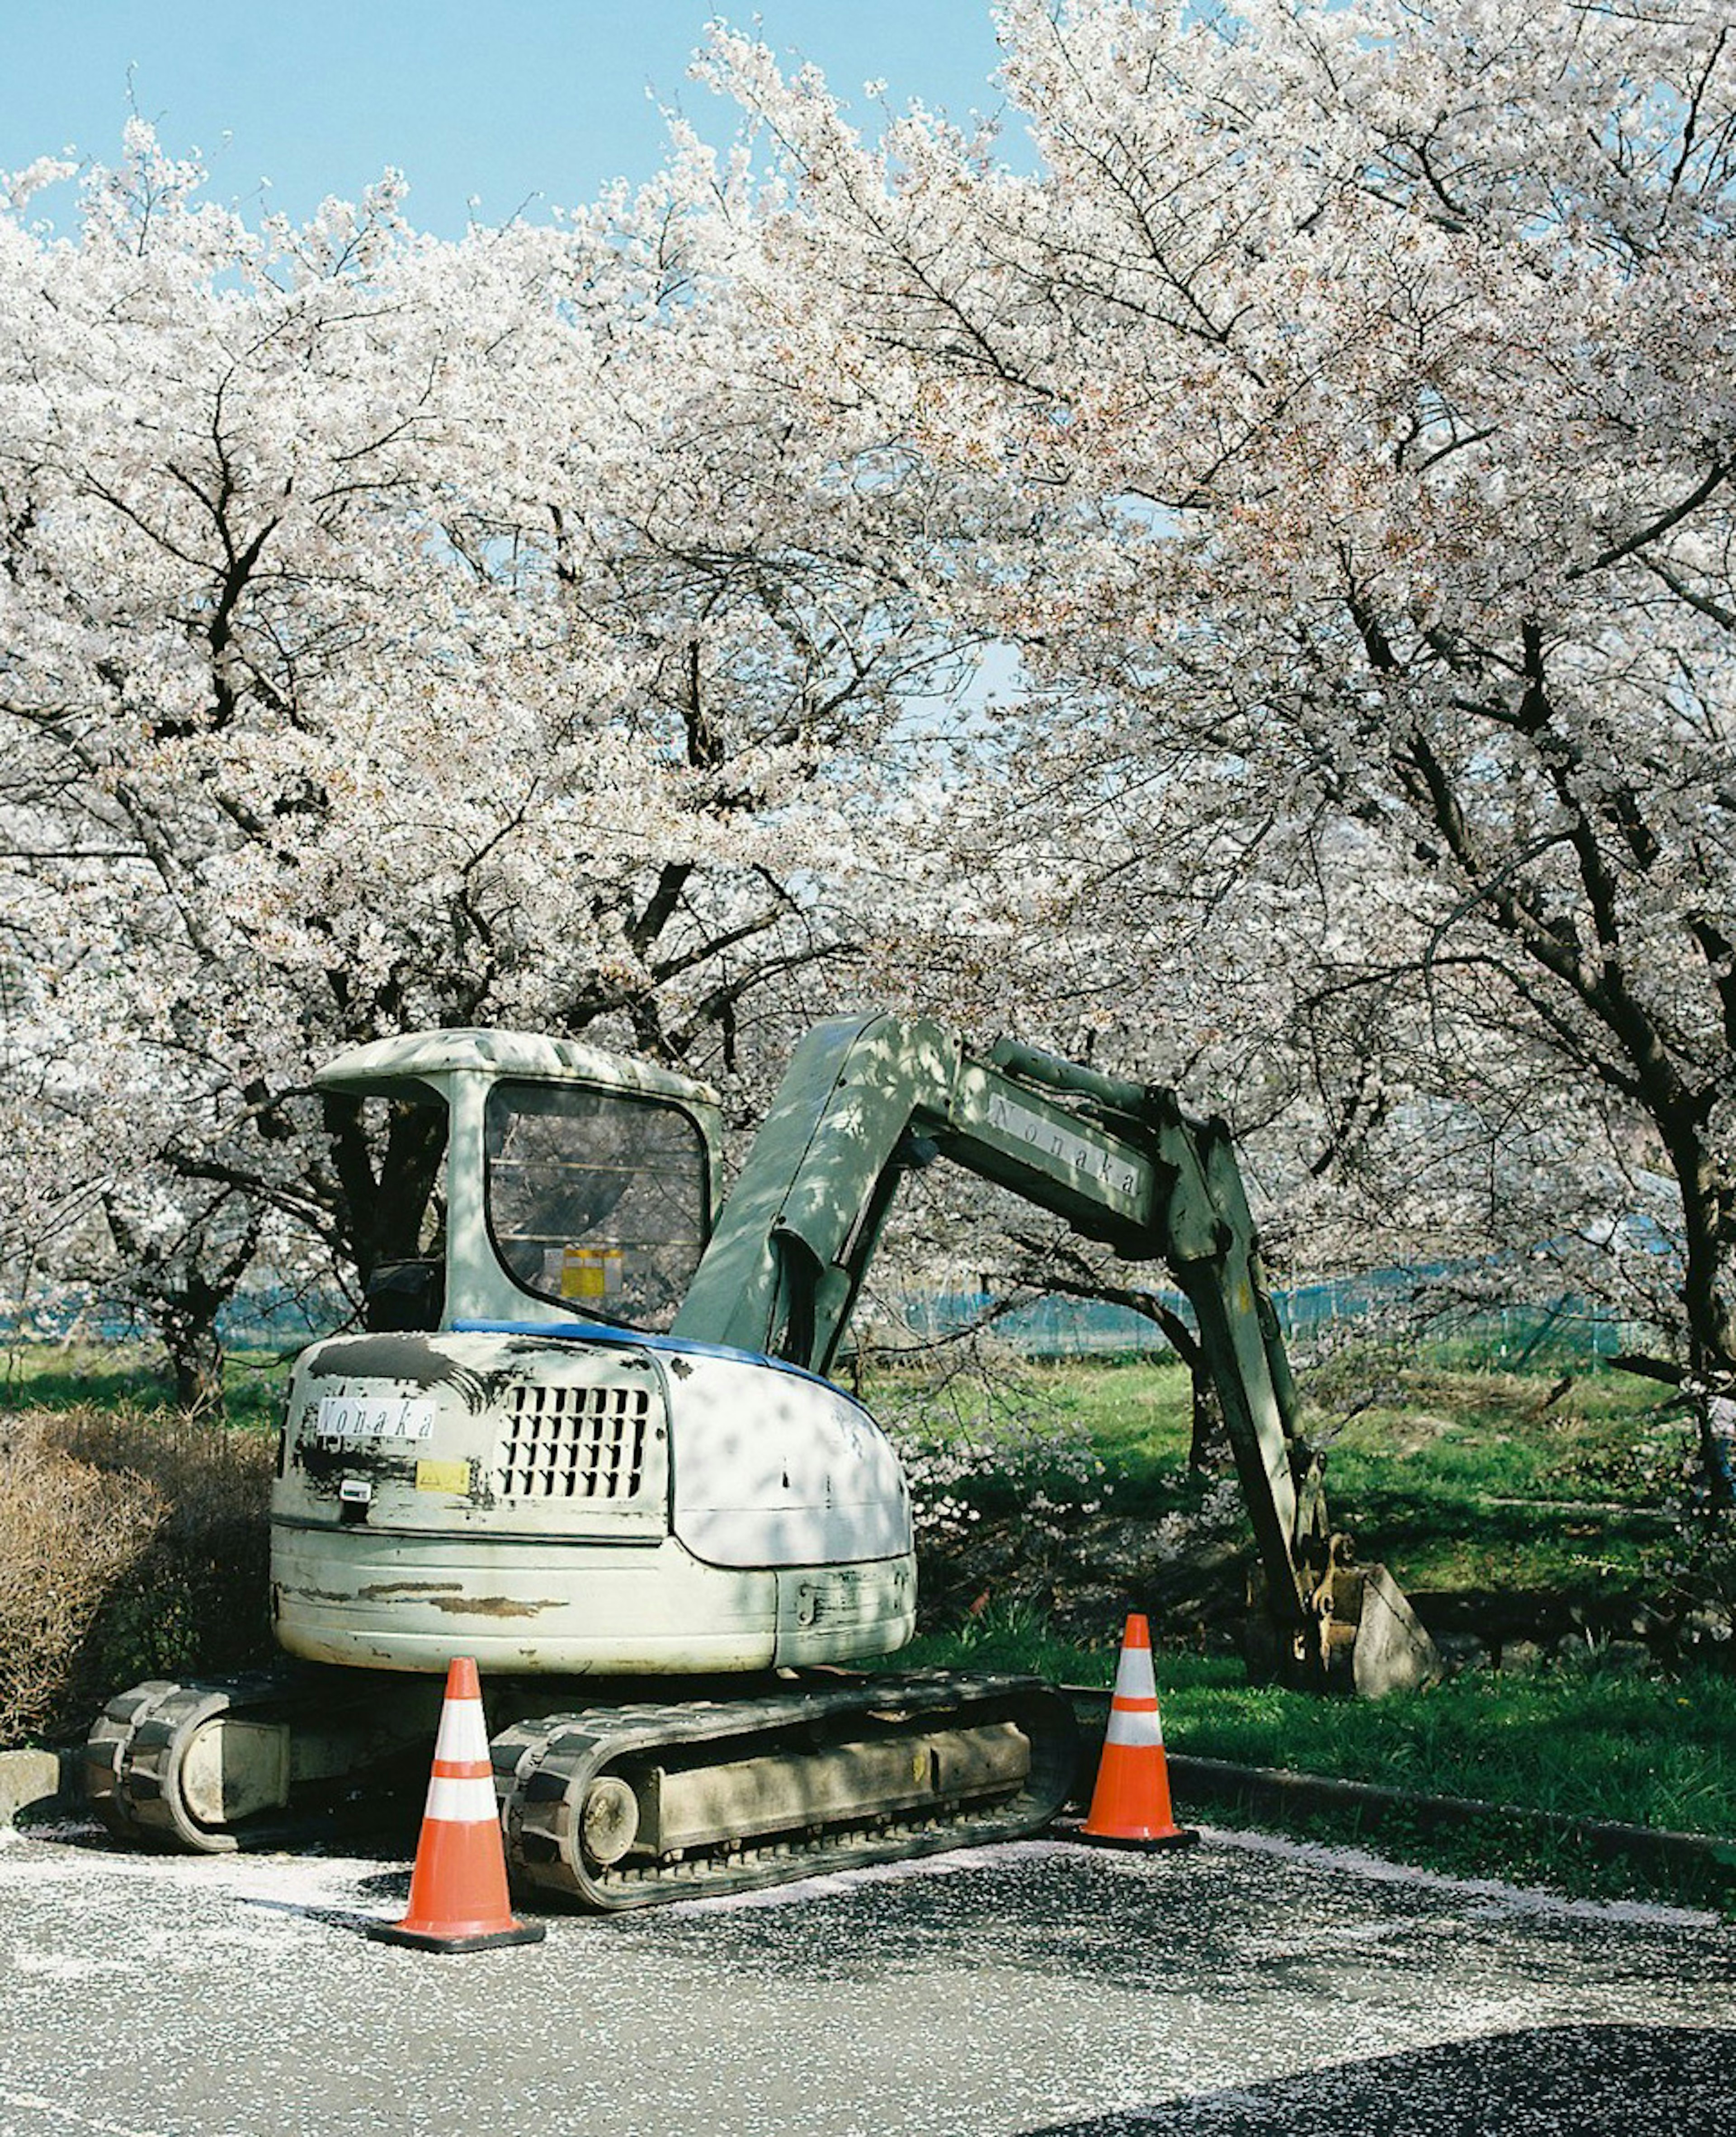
493,1606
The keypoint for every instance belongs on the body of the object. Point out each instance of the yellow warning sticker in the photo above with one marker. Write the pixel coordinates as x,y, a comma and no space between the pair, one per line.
443,1476
590,1272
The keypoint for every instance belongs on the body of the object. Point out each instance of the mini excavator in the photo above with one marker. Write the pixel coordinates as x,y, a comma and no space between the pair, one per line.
587,1439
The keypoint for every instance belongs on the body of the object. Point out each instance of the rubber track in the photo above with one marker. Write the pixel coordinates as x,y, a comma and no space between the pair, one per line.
543,1768
132,1760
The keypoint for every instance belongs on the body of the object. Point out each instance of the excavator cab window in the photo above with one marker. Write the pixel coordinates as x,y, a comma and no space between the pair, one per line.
596,1200
391,1155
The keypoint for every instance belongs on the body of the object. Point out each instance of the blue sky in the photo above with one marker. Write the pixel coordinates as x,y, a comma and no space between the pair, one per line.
518,102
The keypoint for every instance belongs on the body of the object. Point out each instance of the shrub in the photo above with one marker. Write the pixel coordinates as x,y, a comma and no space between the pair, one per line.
1690,1573
999,1485
131,1545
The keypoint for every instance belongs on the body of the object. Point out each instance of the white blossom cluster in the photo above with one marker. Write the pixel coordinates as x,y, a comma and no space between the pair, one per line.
1362,381
1250,601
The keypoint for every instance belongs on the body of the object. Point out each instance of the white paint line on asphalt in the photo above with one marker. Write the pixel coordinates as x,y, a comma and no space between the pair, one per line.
1514,1899
1352,1862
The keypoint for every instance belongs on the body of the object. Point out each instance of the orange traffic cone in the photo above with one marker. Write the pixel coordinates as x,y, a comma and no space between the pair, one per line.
1129,1806
458,1898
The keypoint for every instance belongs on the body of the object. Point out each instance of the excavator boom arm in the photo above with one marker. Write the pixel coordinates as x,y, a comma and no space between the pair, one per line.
865,1099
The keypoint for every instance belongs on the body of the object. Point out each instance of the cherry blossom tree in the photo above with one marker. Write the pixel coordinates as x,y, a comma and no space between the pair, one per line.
1373,365
562,627
399,634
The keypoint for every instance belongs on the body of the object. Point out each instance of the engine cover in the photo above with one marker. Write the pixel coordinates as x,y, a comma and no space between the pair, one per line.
559,1505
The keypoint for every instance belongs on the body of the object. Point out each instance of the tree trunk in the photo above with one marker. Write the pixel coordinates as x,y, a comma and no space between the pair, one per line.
386,1180
181,1298
195,1358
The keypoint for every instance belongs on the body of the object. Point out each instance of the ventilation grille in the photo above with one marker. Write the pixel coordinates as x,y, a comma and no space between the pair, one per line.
575,1443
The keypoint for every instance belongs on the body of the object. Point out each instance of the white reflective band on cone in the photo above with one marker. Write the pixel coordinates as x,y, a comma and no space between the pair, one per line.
1140,1728
1135,1677
463,1734
461,1803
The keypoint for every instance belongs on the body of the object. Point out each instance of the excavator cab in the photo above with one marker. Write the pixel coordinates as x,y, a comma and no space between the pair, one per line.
567,1184
597,1201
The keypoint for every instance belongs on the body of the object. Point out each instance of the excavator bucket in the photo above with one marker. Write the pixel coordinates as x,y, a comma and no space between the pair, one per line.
1390,1650
1362,1637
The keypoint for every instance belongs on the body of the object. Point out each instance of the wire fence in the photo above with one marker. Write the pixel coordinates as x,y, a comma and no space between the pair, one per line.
1563,1333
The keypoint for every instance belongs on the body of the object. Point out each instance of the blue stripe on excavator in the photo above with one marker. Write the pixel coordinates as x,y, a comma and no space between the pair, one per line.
632,1339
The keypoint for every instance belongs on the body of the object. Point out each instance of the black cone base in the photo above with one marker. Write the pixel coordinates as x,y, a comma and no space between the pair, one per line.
485,1940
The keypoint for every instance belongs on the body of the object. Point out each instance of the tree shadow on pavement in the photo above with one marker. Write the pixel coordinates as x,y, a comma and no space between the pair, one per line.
1544,2081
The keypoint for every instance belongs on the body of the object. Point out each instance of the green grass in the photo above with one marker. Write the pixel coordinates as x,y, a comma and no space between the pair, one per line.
1458,1480
1471,1480
1009,1637
1592,1741
127,1377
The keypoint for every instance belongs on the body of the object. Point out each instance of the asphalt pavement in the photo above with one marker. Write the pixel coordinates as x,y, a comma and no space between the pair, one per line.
1245,1986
